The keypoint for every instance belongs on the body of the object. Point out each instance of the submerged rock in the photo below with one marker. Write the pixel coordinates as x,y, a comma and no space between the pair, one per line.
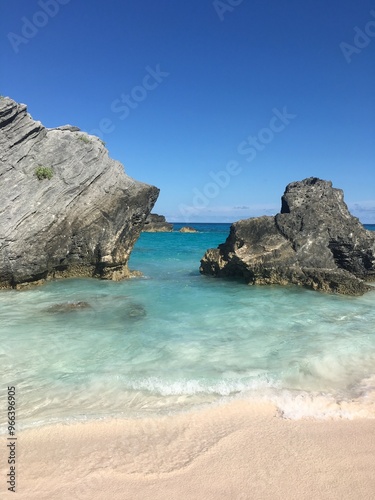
66,208
135,311
157,224
68,307
314,241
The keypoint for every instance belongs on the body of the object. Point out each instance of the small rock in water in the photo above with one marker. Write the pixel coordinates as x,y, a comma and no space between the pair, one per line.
157,224
68,307
188,229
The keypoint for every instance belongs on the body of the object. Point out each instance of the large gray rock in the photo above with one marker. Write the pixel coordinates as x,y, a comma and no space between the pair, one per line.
157,224
83,221
314,242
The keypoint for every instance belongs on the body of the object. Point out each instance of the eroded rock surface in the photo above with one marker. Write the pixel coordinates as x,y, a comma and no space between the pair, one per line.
66,208
314,241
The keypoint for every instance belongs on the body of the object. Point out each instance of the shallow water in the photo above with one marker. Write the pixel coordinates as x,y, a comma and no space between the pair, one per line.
175,339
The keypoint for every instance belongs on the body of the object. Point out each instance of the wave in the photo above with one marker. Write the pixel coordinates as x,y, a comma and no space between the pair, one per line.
356,402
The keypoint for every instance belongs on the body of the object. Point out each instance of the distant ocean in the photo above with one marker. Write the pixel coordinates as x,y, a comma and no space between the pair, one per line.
174,340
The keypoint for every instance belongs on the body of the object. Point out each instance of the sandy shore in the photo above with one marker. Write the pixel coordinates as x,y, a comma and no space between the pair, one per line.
237,451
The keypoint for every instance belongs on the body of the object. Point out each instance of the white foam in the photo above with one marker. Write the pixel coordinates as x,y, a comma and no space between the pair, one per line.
291,404
226,387
357,403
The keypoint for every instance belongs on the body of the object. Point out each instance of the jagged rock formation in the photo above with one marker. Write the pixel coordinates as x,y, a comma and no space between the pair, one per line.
66,208
314,242
157,224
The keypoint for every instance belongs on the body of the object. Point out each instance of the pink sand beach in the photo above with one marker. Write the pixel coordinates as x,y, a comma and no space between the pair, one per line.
237,451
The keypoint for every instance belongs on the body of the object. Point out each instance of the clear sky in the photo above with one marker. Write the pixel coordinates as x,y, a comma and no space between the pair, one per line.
219,103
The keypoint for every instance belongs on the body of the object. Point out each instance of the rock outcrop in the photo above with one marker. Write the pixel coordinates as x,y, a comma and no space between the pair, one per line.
66,208
188,229
314,241
157,224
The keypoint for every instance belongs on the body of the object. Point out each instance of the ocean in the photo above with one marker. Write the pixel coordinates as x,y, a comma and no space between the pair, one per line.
174,340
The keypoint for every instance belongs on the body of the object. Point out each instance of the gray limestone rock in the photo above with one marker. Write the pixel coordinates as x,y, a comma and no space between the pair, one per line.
66,208
314,241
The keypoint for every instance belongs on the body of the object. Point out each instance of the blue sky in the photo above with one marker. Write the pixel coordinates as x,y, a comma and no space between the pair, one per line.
218,103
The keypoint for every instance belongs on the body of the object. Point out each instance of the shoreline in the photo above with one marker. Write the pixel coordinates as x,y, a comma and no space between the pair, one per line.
238,451
288,404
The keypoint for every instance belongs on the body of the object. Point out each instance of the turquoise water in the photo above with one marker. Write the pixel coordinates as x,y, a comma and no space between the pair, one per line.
173,340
